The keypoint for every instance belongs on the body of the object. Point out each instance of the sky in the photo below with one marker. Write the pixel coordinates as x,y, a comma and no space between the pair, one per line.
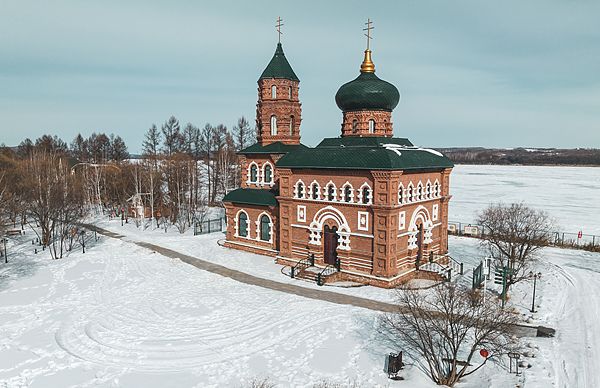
470,73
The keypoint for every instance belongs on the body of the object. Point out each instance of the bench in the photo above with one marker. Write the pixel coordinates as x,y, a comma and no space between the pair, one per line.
13,232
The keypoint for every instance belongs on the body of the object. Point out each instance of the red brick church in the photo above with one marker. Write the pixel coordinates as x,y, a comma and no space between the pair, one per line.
364,206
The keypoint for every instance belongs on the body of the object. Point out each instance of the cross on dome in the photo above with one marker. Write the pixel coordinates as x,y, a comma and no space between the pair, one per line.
278,25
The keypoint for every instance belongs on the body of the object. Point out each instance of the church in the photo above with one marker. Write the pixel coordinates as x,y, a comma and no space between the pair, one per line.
364,206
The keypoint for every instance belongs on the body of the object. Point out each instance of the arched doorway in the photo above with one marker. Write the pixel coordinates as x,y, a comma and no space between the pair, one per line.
420,243
330,243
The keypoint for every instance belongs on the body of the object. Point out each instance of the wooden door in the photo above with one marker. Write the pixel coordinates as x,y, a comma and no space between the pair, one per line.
330,238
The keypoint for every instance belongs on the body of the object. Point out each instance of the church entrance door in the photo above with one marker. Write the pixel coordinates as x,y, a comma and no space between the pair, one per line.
330,242
420,244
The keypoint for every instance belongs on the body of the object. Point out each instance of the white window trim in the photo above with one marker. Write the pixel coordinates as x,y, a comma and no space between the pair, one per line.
263,174
236,226
435,212
296,189
250,175
326,192
343,193
369,195
318,190
270,227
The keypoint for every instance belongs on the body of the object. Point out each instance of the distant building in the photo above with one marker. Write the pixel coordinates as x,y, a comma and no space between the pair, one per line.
370,204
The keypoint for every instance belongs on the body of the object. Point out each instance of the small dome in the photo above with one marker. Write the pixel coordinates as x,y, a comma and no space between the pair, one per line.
367,92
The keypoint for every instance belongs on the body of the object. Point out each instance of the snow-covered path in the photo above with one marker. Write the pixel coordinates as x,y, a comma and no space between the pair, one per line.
576,278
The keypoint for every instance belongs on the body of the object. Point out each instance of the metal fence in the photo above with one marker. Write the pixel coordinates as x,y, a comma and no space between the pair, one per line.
209,226
576,240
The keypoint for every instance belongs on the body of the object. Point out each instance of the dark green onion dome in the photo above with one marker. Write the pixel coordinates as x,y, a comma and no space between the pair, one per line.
279,67
367,91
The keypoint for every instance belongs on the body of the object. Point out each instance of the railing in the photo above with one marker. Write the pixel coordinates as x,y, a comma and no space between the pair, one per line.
301,265
209,226
330,269
579,240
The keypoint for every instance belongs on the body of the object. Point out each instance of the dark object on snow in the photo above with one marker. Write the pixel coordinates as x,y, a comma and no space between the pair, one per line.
545,331
393,365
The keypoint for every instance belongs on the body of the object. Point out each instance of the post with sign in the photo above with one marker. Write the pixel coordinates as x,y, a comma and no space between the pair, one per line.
500,277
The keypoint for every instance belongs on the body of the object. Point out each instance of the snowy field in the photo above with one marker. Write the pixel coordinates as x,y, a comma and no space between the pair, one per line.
124,316
571,195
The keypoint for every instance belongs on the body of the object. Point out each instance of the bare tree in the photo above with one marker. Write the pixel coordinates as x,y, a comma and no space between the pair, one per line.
243,134
443,331
514,235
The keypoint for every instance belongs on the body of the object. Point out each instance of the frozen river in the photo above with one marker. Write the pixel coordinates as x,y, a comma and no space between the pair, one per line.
571,195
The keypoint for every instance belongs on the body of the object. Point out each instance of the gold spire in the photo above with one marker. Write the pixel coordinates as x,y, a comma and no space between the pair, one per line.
367,66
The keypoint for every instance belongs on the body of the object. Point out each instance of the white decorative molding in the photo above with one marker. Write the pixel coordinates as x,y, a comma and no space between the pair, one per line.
435,212
270,227
363,221
301,213
402,220
236,226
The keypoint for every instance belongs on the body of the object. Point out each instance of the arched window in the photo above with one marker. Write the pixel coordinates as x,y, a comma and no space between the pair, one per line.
315,190
265,228
300,190
330,192
411,193
354,125
347,194
253,173
401,194
291,125
436,189
428,193
273,125
365,195
419,191
290,92
268,173
243,224
273,92
371,126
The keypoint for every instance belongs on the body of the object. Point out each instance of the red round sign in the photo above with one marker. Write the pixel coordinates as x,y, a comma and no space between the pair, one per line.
484,353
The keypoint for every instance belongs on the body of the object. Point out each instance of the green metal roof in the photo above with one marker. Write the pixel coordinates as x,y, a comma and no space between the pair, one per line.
251,197
273,148
366,153
279,67
367,92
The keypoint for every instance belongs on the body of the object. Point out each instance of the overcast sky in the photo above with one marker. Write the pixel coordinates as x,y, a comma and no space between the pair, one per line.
470,73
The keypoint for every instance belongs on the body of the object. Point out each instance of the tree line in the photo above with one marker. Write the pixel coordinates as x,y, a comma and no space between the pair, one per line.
182,171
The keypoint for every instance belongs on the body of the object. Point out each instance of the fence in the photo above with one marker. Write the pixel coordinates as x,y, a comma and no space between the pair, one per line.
209,226
562,239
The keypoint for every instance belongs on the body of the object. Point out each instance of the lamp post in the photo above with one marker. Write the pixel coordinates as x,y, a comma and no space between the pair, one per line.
83,240
4,240
535,277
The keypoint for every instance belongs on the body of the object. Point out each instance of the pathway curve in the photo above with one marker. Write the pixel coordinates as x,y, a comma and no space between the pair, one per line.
242,277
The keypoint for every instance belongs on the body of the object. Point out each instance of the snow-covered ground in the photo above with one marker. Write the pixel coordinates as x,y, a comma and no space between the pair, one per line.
571,195
123,316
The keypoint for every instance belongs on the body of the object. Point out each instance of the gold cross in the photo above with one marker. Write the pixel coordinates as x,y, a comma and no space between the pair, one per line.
368,29
278,25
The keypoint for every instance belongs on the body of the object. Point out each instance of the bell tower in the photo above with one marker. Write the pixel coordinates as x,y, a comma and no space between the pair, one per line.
278,110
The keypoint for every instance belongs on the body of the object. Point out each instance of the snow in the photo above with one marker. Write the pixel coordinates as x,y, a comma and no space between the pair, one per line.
122,316
569,194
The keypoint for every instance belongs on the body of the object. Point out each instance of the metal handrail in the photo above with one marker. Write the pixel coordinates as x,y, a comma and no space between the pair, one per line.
330,269
301,265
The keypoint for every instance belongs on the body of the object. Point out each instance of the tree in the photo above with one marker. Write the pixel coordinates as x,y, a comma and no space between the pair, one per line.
514,235
172,139
79,148
151,142
118,149
443,331
51,195
243,135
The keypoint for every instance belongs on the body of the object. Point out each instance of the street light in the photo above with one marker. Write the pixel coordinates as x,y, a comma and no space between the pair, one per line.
83,240
535,277
5,240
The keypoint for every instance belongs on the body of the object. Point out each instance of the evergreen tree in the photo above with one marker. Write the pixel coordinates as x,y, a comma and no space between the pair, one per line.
118,149
151,142
172,141
243,134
